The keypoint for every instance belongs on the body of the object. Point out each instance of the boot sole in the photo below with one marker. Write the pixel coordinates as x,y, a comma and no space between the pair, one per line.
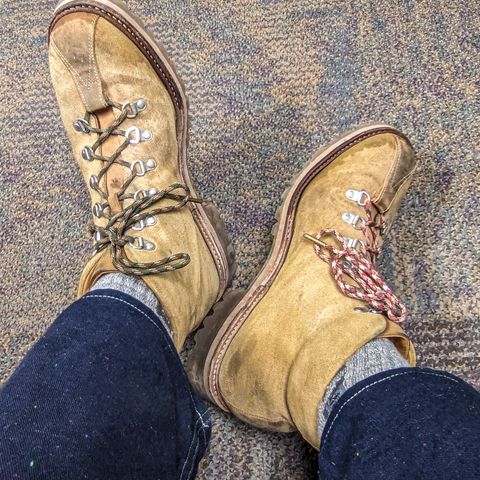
206,215
219,329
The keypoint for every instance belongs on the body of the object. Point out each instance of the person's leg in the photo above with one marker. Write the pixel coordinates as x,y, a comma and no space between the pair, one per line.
102,395
318,299
315,344
403,424
377,356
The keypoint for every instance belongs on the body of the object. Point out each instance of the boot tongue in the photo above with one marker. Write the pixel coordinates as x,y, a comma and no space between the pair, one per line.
114,202
373,235
116,174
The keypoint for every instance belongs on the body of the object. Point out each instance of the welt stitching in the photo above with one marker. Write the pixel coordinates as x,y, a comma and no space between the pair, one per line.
213,250
76,77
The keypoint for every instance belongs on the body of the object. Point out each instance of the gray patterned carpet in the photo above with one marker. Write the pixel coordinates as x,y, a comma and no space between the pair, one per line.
269,81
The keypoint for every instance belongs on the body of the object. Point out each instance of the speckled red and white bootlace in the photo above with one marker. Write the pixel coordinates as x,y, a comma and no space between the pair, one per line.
349,262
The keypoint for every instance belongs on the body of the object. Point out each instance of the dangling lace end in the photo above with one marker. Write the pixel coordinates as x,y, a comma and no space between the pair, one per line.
369,286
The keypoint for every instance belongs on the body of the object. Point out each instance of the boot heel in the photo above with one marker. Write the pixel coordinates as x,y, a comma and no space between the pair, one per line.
197,368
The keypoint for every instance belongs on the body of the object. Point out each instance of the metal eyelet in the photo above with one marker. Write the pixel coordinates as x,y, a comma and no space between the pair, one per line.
135,135
359,196
140,168
146,222
353,242
97,237
141,194
147,135
140,243
87,154
141,104
353,220
150,164
98,210
94,182
135,107
81,125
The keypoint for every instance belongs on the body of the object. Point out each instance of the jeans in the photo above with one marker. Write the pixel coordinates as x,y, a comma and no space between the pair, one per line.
103,396
405,424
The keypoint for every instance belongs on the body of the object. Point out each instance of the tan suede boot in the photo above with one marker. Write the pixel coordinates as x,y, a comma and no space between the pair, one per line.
270,359
125,112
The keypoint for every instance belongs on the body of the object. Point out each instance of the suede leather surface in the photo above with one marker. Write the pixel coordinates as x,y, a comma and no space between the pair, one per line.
269,82
72,108
126,75
397,180
278,366
76,37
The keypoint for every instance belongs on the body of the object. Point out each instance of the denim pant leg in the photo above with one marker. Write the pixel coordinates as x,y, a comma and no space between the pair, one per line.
102,395
404,424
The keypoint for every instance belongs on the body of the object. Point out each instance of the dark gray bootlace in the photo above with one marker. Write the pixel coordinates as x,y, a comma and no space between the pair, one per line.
114,234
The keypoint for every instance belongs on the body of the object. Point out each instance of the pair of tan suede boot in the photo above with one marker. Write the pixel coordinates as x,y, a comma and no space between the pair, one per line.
267,354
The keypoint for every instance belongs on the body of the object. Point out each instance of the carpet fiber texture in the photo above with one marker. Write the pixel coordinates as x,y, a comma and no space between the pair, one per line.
269,82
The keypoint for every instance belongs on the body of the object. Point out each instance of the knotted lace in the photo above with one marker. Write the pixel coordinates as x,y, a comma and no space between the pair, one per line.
114,234
358,265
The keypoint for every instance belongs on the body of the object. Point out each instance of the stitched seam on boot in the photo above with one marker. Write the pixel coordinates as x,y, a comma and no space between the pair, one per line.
214,251
91,33
92,68
144,45
367,387
392,171
73,72
92,63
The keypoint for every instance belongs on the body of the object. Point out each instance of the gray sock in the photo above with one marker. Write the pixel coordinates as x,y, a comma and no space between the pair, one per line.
376,356
136,288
